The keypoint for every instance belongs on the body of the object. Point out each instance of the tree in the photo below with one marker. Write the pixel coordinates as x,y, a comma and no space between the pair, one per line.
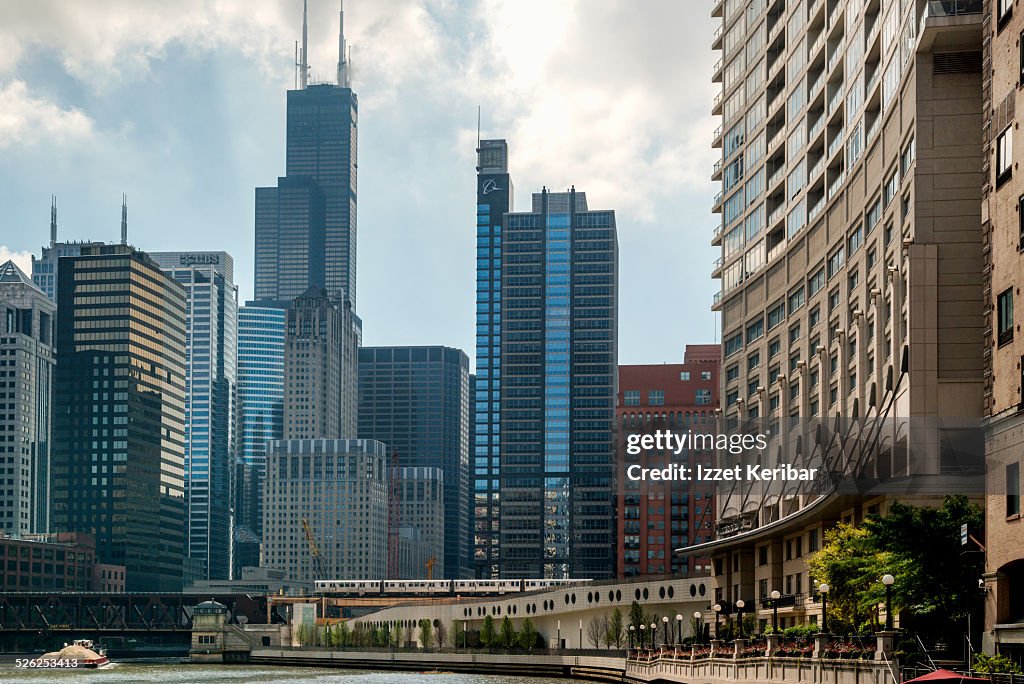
442,634
408,634
528,635
458,635
396,635
696,629
426,634
615,630
507,639
596,629
637,617
488,636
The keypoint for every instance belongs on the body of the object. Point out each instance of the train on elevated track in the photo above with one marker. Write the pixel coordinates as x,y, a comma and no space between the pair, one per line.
449,587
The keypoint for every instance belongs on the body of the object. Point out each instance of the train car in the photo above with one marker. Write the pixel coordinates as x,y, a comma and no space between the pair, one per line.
429,587
360,587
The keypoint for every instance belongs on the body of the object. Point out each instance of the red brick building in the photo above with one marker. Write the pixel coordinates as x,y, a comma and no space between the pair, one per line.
62,561
656,517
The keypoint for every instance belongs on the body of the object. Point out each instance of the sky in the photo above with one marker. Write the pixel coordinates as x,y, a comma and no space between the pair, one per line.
182,107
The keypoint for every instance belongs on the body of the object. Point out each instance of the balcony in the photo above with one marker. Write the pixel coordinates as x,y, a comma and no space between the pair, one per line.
716,175
716,270
716,138
952,8
874,128
813,132
716,205
815,86
775,176
716,41
835,100
717,237
813,212
718,8
872,83
778,137
776,251
818,167
837,56
836,144
776,215
716,108
836,183
716,72
815,46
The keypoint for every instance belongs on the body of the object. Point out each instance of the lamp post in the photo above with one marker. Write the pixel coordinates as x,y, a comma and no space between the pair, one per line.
465,626
632,632
697,616
679,629
654,633
740,605
664,621
643,638
888,580
718,609
775,610
581,632
823,590
559,637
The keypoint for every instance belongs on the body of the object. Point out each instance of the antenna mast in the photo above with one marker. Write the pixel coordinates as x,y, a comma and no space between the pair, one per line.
304,67
124,219
53,220
343,77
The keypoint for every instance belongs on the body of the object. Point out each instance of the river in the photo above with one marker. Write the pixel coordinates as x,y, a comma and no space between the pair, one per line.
170,673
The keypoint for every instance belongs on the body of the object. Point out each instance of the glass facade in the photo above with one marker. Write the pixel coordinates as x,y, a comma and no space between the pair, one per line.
306,225
119,413
210,392
416,400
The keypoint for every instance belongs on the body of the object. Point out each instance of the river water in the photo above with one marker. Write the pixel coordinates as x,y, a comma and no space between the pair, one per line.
165,672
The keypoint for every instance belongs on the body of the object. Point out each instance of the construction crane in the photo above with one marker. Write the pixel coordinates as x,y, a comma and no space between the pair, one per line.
431,562
319,567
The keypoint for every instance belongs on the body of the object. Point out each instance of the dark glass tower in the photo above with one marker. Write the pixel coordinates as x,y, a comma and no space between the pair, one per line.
555,379
493,200
119,412
306,226
416,400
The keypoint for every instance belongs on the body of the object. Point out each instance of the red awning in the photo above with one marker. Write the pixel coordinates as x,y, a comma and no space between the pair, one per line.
947,676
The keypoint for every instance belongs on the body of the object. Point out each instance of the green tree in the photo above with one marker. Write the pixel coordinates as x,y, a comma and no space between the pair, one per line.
507,639
615,633
488,636
396,635
637,617
426,634
528,635
457,634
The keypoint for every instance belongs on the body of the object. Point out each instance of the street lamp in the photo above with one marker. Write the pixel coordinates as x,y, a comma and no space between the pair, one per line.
654,633
823,590
740,605
697,616
664,621
632,632
559,637
465,626
679,629
888,580
775,610
643,639
718,609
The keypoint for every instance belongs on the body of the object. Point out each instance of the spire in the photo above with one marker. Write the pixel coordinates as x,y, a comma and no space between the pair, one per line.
343,75
124,219
53,220
304,66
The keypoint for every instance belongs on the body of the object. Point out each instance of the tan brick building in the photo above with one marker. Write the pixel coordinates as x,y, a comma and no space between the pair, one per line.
1004,236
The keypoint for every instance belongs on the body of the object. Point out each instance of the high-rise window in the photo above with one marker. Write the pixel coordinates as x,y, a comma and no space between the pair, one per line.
1004,156
1005,11
631,397
1013,489
1005,314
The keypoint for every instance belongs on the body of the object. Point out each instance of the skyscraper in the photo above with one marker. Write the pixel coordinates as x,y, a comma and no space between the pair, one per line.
260,402
119,412
850,210
44,269
547,332
493,200
26,391
306,225
416,400
322,338
211,346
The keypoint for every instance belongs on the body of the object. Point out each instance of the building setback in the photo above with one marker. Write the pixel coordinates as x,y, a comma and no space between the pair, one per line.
322,338
494,194
337,487
654,518
416,400
211,347
558,372
1003,230
26,391
851,178
119,413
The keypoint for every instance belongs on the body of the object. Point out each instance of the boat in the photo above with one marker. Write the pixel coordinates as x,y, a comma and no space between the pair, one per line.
79,653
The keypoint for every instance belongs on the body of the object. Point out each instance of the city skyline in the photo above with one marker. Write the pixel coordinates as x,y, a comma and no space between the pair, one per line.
215,108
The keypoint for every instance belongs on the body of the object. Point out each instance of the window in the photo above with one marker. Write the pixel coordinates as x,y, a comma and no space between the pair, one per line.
813,317
796,299
794,333
1020,219
892,186
684,375
1005,311
907,158
776,316
1013,489
734,344
656,397
705,375
732,397
1004,156
753,361
752,386
702,397
732,373
774,348
1020,80
631,397
755,330
835,261
1005,11
855,241
816,282
833,300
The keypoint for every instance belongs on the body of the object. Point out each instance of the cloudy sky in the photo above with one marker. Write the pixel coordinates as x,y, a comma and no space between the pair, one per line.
181,106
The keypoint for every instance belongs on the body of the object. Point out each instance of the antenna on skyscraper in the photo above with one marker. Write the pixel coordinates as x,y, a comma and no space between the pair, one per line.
343,78
53,220
304,67
124,219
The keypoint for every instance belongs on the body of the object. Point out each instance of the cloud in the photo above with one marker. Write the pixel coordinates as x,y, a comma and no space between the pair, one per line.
22,259
25,118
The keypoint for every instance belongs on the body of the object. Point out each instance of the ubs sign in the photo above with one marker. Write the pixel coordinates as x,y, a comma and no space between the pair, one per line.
192,259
